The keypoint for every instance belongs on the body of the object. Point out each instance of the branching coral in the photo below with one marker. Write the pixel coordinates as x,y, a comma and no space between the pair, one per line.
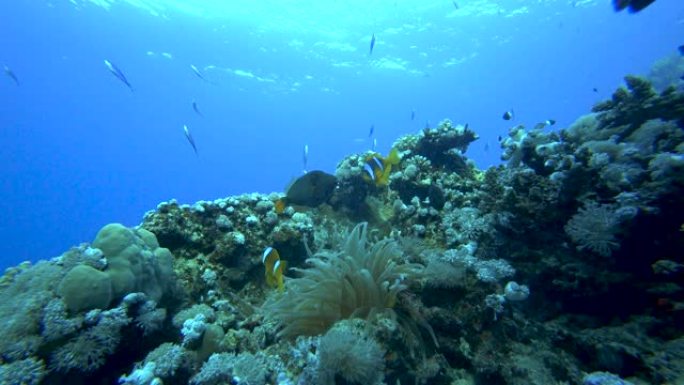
638,103
356,281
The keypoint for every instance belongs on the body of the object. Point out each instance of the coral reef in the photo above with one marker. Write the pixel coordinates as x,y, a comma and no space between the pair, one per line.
563,266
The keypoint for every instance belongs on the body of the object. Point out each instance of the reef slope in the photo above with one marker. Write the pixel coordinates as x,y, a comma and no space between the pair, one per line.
563,266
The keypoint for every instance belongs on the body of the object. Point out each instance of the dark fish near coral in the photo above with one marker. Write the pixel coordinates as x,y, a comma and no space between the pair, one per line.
545,123
188,136
11,74
680,49
508,115
632,5
194,107
117,72
311,189
372,44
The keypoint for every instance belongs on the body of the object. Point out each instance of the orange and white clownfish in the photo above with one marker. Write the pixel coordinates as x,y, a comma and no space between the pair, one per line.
274,268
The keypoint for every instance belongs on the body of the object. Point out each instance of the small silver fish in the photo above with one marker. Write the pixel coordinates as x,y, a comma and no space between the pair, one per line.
194,107
375,144
188,136
372,130
546,123
305,157
372,44
11,74
117,72
197,72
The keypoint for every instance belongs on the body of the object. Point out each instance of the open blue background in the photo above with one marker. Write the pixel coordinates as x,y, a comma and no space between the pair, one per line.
80,150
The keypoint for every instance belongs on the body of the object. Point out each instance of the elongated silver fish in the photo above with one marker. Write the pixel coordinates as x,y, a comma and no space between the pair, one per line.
11,74
188,136
117,72
372,44
305,157
194,107
197,72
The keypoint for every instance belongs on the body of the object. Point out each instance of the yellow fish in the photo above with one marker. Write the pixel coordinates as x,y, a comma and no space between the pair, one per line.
380,167
274,268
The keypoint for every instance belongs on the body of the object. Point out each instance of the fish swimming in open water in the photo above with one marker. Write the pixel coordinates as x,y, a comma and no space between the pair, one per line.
194,107
632,5
197,72
190,139
305,157
371,131
413,114
117,72
372,44
508,115
11,74
546,123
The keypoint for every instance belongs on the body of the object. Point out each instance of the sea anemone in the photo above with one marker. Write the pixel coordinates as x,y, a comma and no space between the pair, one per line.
356,281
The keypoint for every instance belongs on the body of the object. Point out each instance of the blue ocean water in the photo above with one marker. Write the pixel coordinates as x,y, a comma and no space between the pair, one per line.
79,149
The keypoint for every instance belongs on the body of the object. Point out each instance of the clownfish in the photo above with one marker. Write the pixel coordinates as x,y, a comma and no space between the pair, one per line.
274,268
378,168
